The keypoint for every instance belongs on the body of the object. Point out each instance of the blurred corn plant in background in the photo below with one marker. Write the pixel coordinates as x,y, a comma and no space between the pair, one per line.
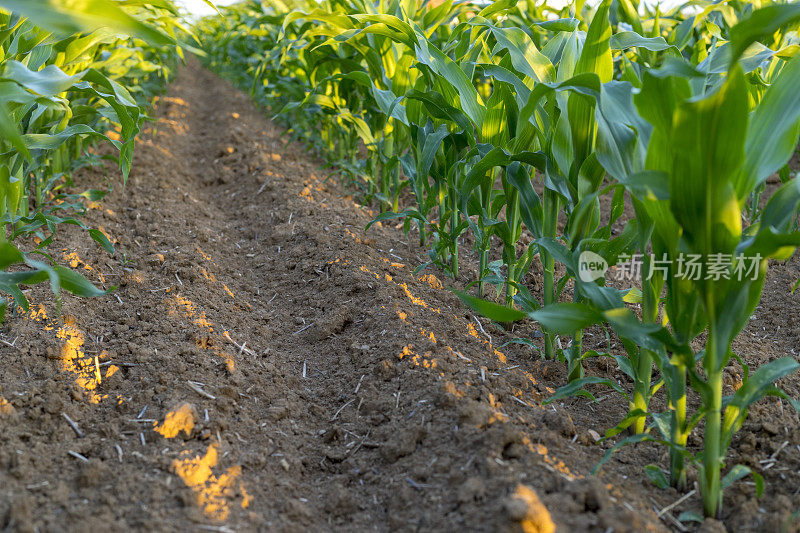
71,75
510,124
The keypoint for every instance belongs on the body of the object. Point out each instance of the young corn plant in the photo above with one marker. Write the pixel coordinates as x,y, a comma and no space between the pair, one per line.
690,162
454,104
63,71
560,115
695,187
443,90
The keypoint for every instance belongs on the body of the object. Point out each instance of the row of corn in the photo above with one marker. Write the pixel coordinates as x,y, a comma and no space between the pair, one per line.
515,117
72,75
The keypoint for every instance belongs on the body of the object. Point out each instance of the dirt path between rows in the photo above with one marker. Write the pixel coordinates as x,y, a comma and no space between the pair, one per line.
267,365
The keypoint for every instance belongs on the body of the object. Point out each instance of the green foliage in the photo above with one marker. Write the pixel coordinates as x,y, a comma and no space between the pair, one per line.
519,117
70,75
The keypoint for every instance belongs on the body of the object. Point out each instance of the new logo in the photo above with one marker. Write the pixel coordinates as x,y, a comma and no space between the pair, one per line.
591,266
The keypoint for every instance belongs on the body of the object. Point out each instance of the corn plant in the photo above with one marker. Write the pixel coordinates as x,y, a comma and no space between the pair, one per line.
63,73
476,108
690,188
692,185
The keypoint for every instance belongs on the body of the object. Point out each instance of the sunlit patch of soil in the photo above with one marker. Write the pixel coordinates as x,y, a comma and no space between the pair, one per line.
179,304
74,360
214,493
180,419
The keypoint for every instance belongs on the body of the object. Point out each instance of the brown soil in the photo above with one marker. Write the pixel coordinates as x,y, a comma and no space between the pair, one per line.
267,365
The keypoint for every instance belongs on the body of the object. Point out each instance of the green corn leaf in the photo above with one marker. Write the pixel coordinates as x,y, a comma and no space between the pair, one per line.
596,53
657,476
496,157
492,128
583,219
491,310
706,207
661,421
161,4
76,284
49,81
781,208
360,126
629,39
633,296
438,107
530,205
85,15
576,388
768,243
663,92
719,61
9,255
630,418
43,272
338,20
590,177
624,362
10,131
566,318
429,150
439,15
525,57
648,184
595,57
10,282
524,342
691,516
82,47
741,471
760,23
471,102
558,25
560,253
43,141
503,74
210,4
773,131
586,85
628,11
496,7
390,21
390,104
603,298
622,134
633,439
754,389
100,237
628,326
389,215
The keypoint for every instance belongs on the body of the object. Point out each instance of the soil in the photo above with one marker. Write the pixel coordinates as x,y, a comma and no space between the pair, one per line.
266,364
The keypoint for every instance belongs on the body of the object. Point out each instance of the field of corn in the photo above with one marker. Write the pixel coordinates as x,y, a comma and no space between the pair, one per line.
590,211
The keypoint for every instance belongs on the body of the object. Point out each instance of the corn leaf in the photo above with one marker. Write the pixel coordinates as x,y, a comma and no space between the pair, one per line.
85,15
760,23
774,129
491,310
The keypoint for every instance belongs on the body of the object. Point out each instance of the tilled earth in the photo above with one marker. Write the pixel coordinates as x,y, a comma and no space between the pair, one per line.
265,364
